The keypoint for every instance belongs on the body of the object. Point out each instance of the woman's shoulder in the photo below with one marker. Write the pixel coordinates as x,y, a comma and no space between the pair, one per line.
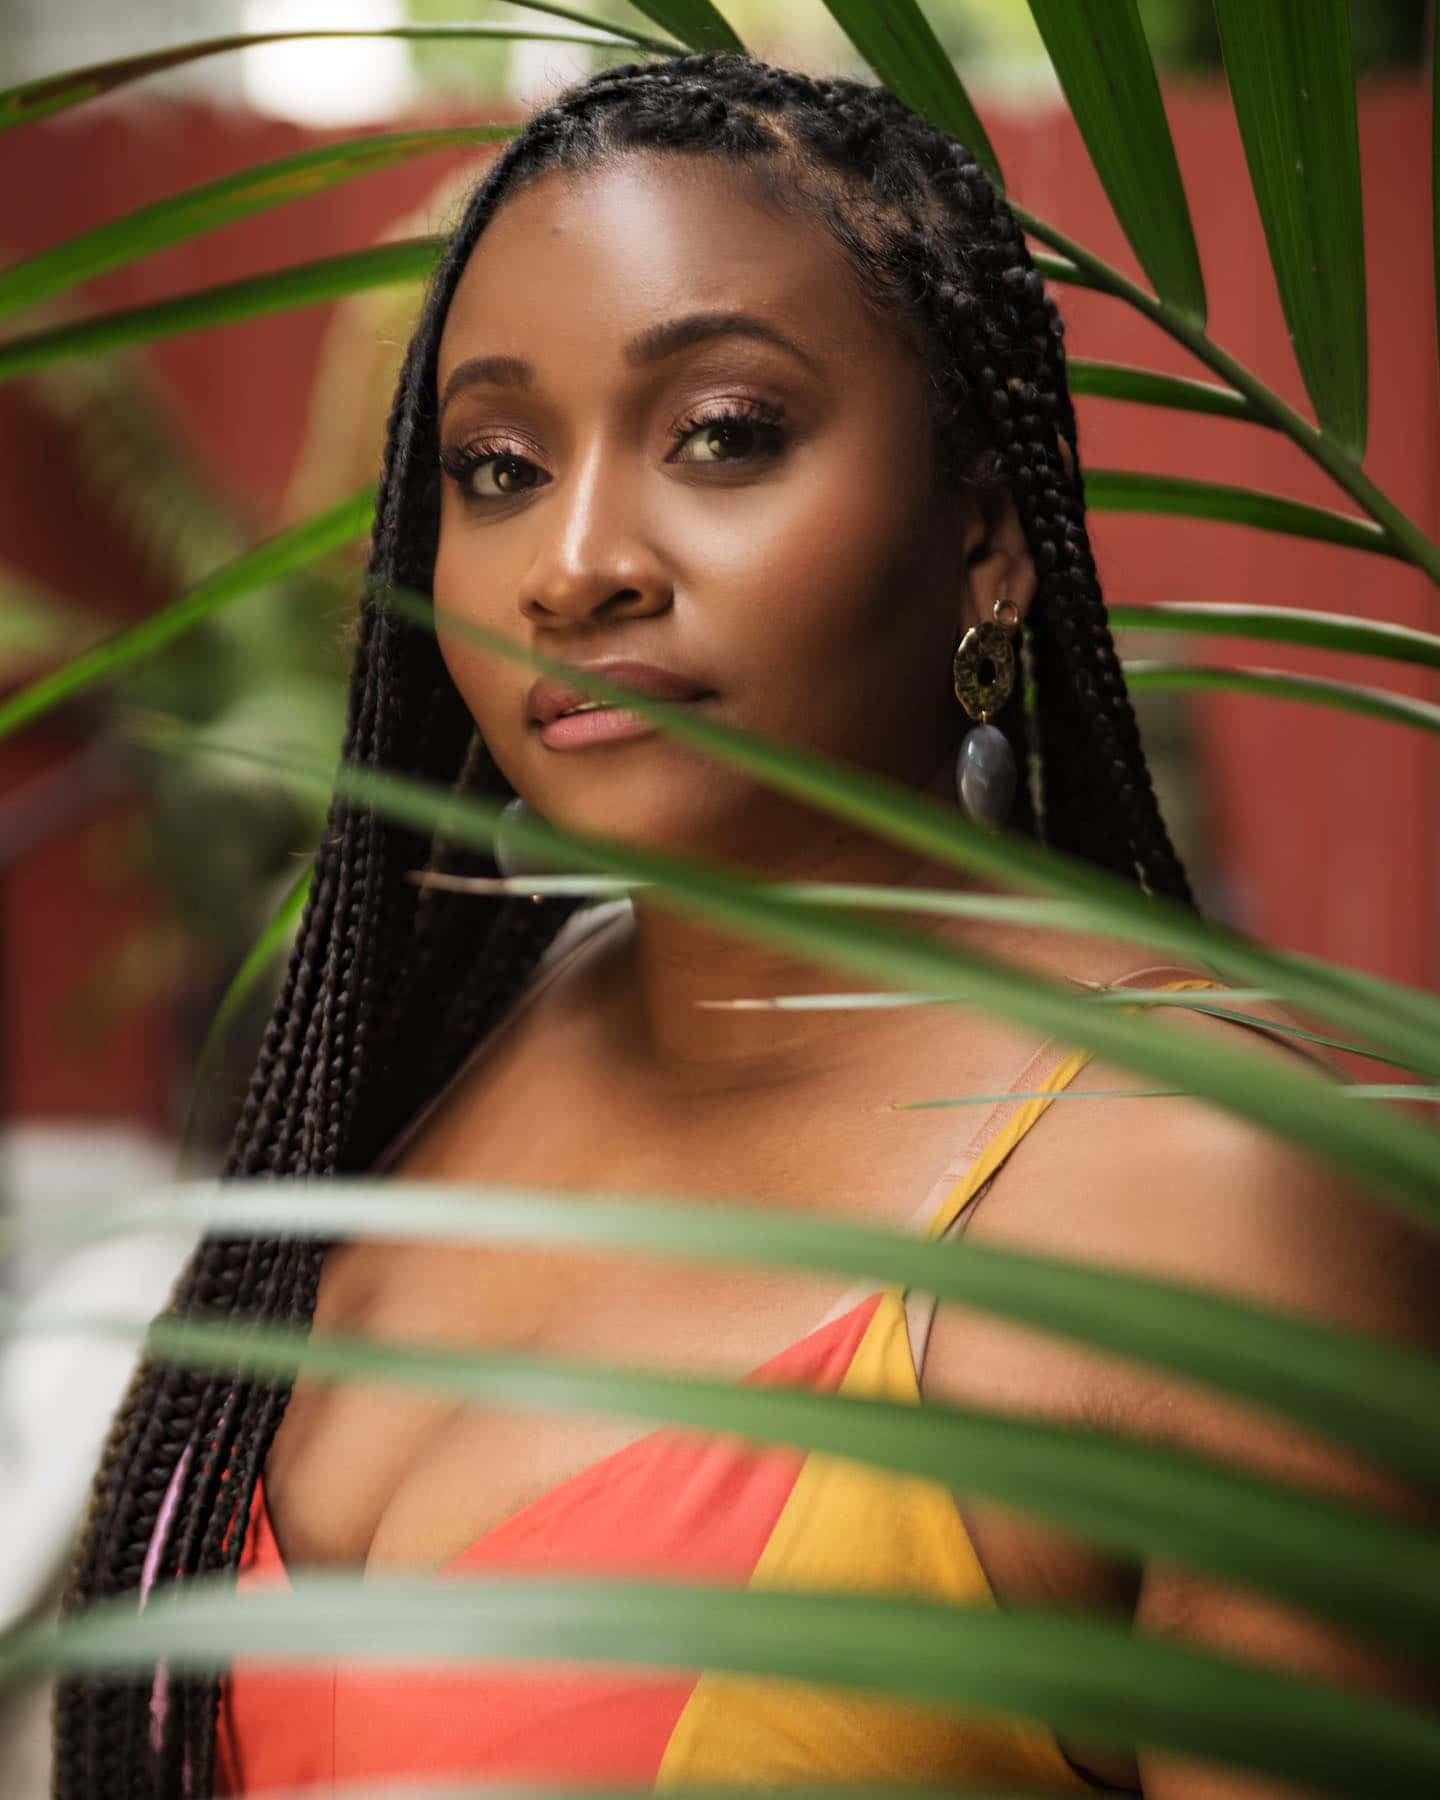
1182,1191
1176,1187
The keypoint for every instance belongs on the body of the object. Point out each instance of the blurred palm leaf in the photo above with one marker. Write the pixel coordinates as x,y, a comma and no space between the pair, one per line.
1370,1573
901,816
1285,625
1394,1153
33,100
1278,684
281,290
206,208
116,655
1380,1399
1083,1677
1075,262
274,939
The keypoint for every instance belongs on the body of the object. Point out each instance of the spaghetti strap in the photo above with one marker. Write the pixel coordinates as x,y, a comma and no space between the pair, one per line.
951,1202
1048,1072
1185,980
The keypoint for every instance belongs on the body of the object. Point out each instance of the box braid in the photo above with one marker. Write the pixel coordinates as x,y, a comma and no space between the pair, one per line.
389,986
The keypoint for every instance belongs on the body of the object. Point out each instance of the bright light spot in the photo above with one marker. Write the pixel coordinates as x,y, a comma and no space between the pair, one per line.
327,81
535,72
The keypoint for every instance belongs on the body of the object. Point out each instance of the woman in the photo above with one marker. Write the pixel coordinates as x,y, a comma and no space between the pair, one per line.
747,378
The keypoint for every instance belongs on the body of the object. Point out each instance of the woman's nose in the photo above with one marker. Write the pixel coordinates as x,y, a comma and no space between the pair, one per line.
594,558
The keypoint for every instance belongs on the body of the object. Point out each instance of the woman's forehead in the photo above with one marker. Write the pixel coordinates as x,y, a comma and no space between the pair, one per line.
597,255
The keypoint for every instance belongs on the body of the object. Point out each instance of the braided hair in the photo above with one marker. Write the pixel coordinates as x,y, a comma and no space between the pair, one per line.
389,986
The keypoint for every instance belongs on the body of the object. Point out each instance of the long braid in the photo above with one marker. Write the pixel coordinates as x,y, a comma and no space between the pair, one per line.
389,986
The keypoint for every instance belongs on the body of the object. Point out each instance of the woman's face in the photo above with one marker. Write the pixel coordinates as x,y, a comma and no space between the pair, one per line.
752,507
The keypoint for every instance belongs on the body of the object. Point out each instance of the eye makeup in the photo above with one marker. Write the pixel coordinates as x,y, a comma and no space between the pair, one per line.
743,433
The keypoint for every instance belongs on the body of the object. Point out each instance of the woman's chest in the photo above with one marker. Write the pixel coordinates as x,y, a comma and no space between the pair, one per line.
391,1477
423,1475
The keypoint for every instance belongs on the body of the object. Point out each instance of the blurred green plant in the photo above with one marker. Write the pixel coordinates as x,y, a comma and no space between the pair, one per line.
219,842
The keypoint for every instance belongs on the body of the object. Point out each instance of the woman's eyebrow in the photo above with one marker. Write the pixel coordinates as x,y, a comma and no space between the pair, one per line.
649,346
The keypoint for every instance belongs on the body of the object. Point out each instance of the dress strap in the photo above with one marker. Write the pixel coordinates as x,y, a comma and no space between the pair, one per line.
1048,1072
949,1206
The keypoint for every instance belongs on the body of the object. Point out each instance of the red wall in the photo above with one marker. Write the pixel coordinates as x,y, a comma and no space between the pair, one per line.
1326,825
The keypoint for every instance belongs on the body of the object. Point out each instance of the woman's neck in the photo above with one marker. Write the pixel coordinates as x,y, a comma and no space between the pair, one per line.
668,976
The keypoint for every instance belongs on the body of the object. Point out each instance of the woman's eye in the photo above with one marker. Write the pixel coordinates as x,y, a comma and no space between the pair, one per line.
730,437
484,473
489,472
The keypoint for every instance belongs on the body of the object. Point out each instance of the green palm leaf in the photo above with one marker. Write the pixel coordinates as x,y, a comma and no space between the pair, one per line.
1086,1678
1394,1154
871,1000
1277,684
1292,78
1370,1573
1123,490
1379,1398
1285,625
280,555
54,93
897,41
201,209
1099,52
1146,387
1395,1018
281,290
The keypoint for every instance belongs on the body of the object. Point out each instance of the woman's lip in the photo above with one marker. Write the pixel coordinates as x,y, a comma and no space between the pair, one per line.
608,725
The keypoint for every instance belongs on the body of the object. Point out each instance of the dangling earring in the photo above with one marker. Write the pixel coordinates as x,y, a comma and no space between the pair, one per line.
984,671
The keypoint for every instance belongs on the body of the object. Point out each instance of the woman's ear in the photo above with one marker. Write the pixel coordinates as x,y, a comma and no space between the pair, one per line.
998,564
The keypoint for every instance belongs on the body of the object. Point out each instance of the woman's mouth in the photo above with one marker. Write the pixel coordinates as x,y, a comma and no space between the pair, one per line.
595,723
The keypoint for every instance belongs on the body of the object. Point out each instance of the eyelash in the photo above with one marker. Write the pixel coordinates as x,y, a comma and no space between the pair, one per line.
766,420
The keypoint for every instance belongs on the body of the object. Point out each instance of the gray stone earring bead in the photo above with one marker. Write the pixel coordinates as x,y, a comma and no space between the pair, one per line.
510,858
985,776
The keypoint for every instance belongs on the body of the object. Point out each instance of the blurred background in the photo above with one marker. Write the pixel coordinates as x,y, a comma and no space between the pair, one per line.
132,885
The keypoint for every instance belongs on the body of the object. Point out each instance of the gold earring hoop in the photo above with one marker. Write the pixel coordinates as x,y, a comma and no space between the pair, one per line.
984,663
